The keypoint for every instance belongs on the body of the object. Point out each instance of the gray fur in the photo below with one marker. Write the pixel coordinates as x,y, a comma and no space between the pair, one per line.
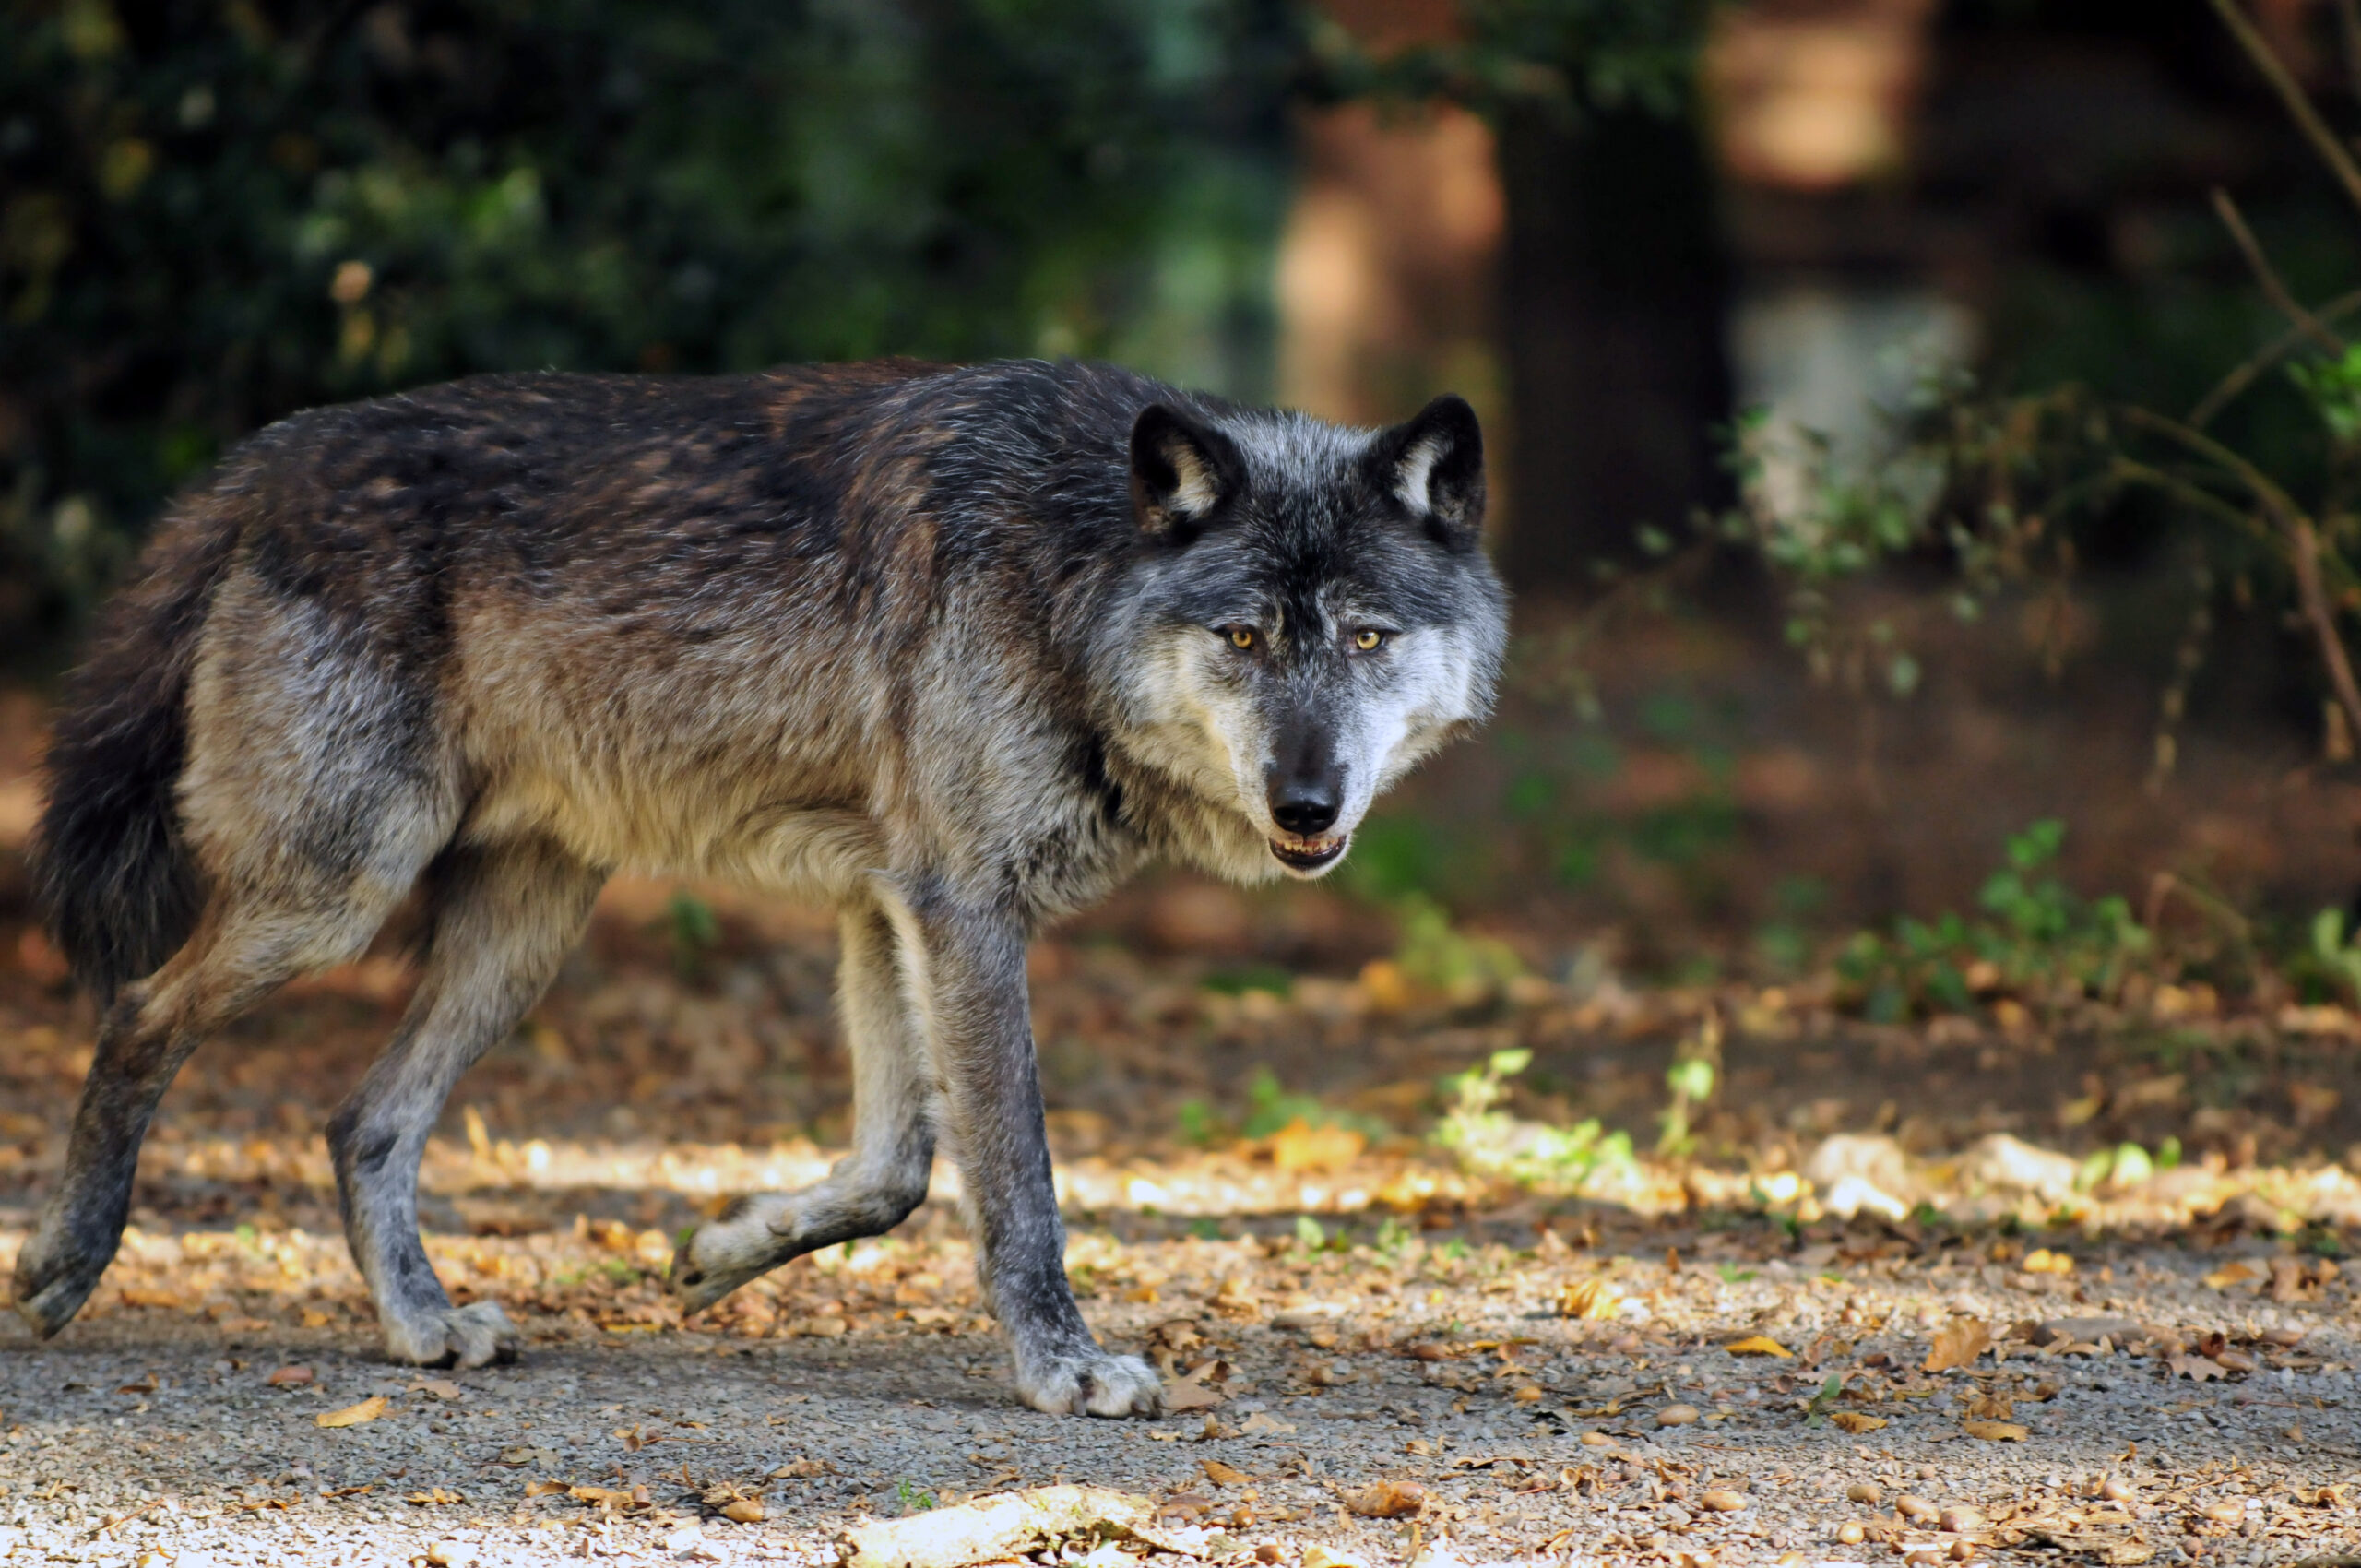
951,649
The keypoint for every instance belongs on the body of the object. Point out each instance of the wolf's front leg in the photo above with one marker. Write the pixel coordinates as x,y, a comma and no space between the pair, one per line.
970,964
871,1190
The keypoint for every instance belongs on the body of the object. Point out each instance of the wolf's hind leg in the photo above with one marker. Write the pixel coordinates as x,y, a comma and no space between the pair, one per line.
503,919
872,1189
245,947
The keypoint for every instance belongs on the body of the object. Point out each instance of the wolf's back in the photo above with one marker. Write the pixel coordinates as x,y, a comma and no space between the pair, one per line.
111,868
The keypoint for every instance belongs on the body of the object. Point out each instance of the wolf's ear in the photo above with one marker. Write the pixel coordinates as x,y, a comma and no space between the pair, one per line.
1182,471
1433,464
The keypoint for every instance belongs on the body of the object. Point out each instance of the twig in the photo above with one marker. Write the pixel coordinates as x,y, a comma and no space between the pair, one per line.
2291,93
2165,885
2348,30
2322,619
2234,386
2266,274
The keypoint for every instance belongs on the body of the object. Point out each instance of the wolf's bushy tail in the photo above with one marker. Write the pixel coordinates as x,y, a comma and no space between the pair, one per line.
111,868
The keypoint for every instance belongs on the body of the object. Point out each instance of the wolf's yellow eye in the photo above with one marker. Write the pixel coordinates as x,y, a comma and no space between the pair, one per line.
1241,637
1367,640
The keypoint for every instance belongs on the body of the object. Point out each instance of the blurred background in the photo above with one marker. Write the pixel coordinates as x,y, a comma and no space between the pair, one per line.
1922,427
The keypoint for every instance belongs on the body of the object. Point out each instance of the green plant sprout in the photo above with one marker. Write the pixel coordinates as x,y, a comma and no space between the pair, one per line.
1696,1069
1491,1142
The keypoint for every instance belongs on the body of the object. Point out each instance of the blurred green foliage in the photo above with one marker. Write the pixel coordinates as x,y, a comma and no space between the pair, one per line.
213,214
2038,940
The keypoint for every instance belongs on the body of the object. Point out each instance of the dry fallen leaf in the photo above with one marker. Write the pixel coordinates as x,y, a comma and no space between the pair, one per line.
2197,1368
1958,1345
1300,1147
1262,1423
289,1377
441,1388
1676,1415
1319,1556
1592,1298
1854,1421
801,1469
542,1489
1757,1345
743,1510
2233,1274
1528,1394
1996,1432
1226,1475
2041,1259
1992,1406
1187,1394
369,1409
1719,1500
1387,1499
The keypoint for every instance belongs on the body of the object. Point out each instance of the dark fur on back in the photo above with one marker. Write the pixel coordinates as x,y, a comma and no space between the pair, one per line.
111,870
953,649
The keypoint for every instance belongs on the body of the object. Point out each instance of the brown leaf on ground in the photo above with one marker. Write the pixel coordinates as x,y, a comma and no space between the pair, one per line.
1958,1345
543,1489
1189,1394
369,1409
2197,1368
1992,1406
2231,1274
1387,1499
1854,1421
289,1377
1996,1432
1594,1300
1226,1475
1757,1345
1300,1147
801,1469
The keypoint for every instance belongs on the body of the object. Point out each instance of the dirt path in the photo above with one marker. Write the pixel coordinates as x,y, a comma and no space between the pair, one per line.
154,1434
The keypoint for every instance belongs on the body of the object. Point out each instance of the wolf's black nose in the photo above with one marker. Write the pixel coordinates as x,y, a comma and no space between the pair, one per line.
1305,807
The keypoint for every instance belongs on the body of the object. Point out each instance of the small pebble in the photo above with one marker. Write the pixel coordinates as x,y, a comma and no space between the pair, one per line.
1851,1533
1720,1502
1959,1520
2115,1491
1915,1508
1676,1415
1865,1492
1962,1550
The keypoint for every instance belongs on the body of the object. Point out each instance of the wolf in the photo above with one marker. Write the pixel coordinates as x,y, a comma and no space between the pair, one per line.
951,649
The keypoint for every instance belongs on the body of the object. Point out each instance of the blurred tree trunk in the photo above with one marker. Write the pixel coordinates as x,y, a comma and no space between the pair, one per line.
1614,296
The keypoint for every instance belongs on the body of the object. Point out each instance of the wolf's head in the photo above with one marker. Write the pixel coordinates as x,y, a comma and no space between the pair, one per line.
1312,614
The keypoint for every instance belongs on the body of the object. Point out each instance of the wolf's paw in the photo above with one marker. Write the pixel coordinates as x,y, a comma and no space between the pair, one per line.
54,1277
471,1336
743,1246
1092,1382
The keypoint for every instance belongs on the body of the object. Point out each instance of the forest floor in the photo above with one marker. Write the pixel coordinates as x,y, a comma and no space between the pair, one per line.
1379,1349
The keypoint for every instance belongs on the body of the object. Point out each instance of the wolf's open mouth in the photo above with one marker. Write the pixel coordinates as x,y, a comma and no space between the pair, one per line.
1307,854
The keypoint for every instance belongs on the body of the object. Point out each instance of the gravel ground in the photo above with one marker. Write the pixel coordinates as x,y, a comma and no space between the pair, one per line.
152,1433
